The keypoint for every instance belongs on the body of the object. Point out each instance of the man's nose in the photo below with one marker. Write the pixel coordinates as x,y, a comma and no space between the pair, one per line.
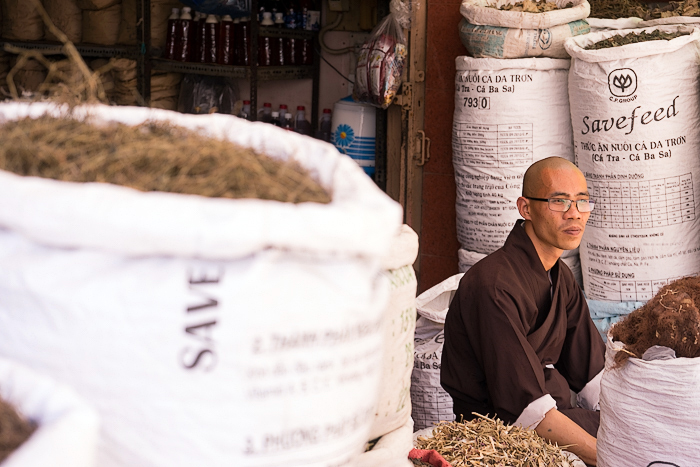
573,212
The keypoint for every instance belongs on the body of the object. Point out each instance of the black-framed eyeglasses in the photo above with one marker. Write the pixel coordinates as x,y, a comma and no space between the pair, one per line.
563,205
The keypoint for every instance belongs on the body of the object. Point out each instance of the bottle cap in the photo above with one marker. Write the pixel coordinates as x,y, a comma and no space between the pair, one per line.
275,114
237,21
212,19
283,106
267,19
326,111
279,18
246,102
226,18
301,107
267,104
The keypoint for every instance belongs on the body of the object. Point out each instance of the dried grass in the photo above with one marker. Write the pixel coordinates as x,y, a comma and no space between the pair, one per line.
530,6
488,442
14,430
670,319
616,9
150,157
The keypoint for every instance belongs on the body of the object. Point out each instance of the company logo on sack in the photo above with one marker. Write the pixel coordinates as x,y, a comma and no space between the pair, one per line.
544,39
622,82
660,463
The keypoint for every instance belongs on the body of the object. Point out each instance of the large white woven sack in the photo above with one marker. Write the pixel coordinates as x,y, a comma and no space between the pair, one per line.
649,411
636,129
508,114
399,326
205,331
430,403
691,21
498,42
487,12
67,428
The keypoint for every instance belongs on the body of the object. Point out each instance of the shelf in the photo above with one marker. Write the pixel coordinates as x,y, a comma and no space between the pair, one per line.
268,73
270,31
86,50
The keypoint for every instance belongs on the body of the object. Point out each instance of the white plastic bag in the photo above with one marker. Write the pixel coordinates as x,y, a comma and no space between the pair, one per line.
431,404
67,428
636,131
604,24
379,71
649,411
204,331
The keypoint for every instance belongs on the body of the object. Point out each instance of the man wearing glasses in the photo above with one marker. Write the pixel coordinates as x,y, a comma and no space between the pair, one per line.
518,334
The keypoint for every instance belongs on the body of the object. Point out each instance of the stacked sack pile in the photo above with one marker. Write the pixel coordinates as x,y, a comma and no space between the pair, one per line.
511,110
101,22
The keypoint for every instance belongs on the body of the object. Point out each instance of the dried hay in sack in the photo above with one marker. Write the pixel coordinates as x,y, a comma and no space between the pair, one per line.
67,17
124,77
21,21
618,9
96,4
160,12
686,12
487,13
105,68
488,442
30,77
165,90
670,319
101,26
14,429
283,279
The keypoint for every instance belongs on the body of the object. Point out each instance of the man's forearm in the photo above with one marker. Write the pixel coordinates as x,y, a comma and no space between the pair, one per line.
558,428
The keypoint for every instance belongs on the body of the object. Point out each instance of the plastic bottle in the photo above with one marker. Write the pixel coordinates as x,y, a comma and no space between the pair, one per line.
301,124
243,43
287,124
200,53
275,120
325,126
225,54
183,44
265,42
234,40
290,19
265,114
212,31
283,111
245,110
304,7
278,42
171,37
305,52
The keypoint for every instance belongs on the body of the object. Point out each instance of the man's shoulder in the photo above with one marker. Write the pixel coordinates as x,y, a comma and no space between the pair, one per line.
495,270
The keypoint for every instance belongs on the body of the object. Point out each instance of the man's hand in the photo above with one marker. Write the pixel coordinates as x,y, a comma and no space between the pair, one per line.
558,428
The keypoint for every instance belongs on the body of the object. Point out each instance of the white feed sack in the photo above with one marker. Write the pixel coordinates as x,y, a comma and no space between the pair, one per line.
636,127
649,412
399,326
487,31
508,114
204,331
391,450
431,404
67,428
604,24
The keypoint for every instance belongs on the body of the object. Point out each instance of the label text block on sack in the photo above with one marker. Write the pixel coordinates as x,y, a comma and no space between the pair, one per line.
637,139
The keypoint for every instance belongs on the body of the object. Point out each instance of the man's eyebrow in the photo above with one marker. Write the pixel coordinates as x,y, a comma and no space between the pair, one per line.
561,193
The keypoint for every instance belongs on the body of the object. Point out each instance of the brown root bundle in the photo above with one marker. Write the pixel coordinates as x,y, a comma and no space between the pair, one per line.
14,430
681,8
530,6
150,157
488,442
619,40
670,319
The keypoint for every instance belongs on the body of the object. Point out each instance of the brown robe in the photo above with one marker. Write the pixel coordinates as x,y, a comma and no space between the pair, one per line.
504,326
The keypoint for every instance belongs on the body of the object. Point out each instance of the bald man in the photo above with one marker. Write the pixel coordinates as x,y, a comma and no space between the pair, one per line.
518,334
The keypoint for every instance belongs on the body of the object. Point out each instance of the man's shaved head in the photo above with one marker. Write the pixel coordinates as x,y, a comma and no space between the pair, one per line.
536,173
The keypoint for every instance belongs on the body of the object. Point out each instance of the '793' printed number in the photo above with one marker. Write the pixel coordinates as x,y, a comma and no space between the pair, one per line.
477,102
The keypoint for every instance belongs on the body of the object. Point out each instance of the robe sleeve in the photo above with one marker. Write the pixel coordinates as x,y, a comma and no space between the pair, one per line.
513,373
583,354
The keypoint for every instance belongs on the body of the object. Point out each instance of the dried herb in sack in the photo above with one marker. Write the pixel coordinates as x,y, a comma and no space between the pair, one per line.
14,430
632,38
684,8
150,157
616,9
528,6
488,442
670,319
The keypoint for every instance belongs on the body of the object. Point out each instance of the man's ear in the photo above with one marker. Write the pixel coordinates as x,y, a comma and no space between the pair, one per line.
524,208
